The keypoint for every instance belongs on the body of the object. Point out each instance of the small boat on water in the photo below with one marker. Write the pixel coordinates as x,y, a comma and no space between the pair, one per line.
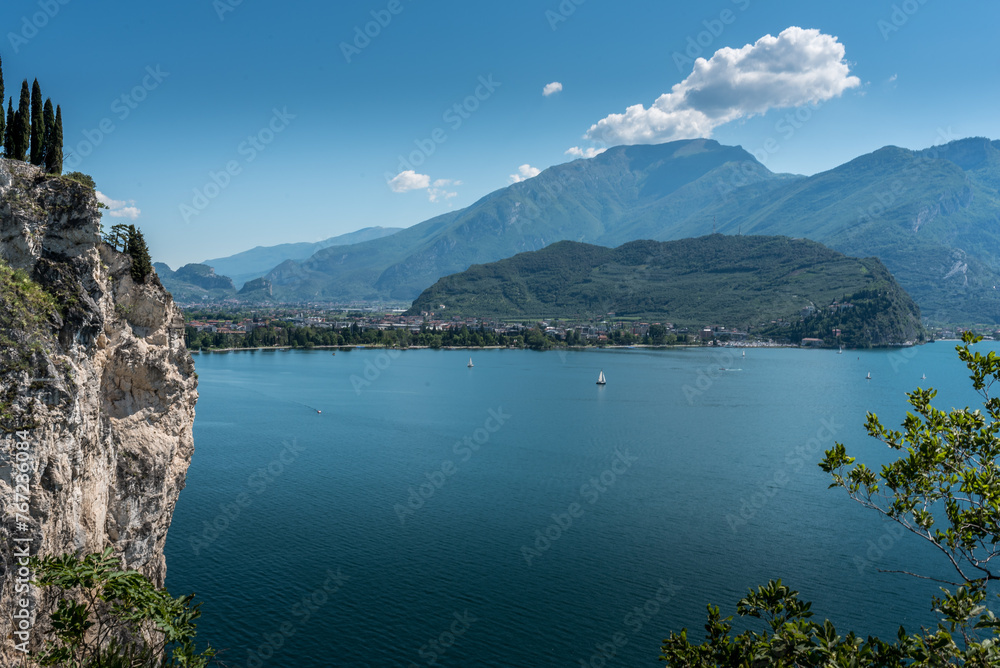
841,351
601,380
869,376
923,376
470,364
744,354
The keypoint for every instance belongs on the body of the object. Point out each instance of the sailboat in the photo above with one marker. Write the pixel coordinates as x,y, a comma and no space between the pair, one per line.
869,376
841,351
923,376
600,379
470,364
744,354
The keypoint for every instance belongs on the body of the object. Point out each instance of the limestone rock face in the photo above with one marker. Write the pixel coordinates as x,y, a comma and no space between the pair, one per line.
102,392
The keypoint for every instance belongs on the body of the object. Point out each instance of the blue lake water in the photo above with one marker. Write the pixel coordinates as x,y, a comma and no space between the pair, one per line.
518,514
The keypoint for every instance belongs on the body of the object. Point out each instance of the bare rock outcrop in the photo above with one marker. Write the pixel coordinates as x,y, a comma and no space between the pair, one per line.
98,392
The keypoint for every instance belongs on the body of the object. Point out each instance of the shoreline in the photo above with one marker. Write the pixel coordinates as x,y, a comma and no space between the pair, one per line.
685,346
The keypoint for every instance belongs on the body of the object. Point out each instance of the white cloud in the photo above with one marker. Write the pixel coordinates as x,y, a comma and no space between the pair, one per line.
119,208
409,180
440,194
893,78
797,67
525,172
437,191
591,152
551,88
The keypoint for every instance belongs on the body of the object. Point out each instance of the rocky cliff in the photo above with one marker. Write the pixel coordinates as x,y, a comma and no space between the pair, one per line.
97,392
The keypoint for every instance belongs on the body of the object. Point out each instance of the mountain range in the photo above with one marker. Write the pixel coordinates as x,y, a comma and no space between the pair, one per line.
932,216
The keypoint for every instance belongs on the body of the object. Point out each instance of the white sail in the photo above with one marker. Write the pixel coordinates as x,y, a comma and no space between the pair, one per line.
470,364
600,379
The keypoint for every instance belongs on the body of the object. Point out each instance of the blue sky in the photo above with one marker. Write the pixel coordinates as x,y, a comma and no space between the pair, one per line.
220,125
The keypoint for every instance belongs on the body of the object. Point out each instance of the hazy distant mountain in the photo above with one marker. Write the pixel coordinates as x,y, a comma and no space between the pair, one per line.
194,283
932,216
746,281
257,261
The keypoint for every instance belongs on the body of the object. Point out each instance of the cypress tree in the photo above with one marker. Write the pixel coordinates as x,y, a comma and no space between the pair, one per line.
37,124
8,135
49,120
135,246
54,145
3,124
22,125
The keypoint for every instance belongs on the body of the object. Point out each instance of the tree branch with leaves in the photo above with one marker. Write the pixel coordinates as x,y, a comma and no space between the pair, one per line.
945,488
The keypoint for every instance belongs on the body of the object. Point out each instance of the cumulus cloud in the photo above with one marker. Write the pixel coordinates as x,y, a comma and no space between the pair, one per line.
119,208
578,152
797,67
409,180
525,172
551,88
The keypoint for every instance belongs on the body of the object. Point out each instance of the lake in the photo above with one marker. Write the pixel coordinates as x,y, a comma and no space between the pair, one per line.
396,509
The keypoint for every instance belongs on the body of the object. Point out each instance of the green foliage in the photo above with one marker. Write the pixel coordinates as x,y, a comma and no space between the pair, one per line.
8,132
21,134
54,145
99,604
117,238
3,123
80,177
135,247
745,281
37,125
945,488
25,309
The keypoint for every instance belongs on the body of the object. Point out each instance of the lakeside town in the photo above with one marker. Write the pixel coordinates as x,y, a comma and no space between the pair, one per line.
211,327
